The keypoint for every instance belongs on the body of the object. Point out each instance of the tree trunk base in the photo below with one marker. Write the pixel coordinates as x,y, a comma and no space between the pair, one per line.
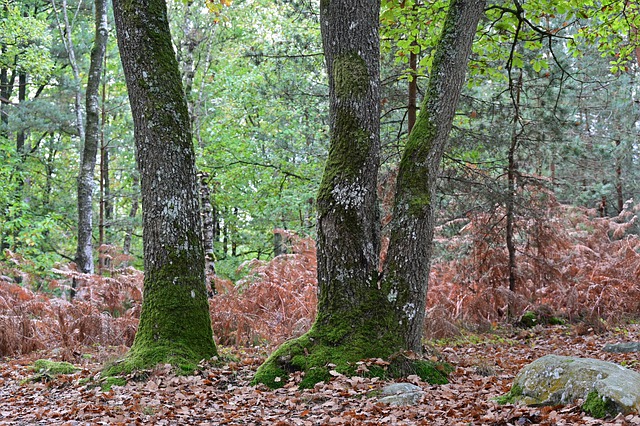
319,359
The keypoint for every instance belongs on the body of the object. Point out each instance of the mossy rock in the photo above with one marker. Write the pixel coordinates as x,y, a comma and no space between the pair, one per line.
606,388
542,316
528,320
599,407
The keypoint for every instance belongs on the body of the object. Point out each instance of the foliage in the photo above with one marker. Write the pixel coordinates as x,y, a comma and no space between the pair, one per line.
274,302
104,312
221,393
260,125
573,265
577,265
25,41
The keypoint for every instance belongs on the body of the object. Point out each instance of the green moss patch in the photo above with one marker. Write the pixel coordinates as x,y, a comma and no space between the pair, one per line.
46,370
350,74
320,361
112,381
141,358
599,407
54,367
510,397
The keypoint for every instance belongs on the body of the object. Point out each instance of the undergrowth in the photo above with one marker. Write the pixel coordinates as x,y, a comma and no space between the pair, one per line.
571,264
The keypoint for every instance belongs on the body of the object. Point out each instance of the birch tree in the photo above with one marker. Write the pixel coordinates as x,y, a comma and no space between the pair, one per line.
84,250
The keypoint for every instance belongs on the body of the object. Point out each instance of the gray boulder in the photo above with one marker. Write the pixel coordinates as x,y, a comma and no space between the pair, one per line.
622,348
606,388
401,394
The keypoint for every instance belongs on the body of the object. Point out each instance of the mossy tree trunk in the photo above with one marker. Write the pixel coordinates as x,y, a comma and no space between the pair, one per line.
361,314
406,270
175,325
351,308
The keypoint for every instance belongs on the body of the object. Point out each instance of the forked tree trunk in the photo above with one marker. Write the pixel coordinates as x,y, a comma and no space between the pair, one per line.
359,314
84,250
175,326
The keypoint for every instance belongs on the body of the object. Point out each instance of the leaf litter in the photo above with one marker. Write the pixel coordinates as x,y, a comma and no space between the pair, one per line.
220,394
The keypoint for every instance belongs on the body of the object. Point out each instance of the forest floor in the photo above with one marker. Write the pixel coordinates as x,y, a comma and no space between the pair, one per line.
485,365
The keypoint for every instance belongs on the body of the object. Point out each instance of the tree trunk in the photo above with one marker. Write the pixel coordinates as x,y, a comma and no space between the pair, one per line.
67,40
406,272
22,97
619,192
350,324
6,89
175,325
106,206
412,108
84,250
516,90
208,232
133,211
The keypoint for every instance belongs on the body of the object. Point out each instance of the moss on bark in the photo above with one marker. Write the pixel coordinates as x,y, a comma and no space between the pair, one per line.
350,146
175,326
350,75
318,360
337,342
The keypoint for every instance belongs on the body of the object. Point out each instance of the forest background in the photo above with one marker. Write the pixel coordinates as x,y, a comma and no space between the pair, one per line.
535,206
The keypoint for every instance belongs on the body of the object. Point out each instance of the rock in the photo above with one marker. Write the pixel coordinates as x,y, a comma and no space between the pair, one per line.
622,348
401,394
553,380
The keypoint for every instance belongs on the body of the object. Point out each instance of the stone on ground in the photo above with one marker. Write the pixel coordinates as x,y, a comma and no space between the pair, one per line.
622,348
554,380
400,394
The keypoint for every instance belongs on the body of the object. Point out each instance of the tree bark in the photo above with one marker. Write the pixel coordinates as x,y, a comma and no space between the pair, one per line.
84,249
412,107
6,89
349,325
516,90
175,326
208,232
406,272
22,97
619,180
133,211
